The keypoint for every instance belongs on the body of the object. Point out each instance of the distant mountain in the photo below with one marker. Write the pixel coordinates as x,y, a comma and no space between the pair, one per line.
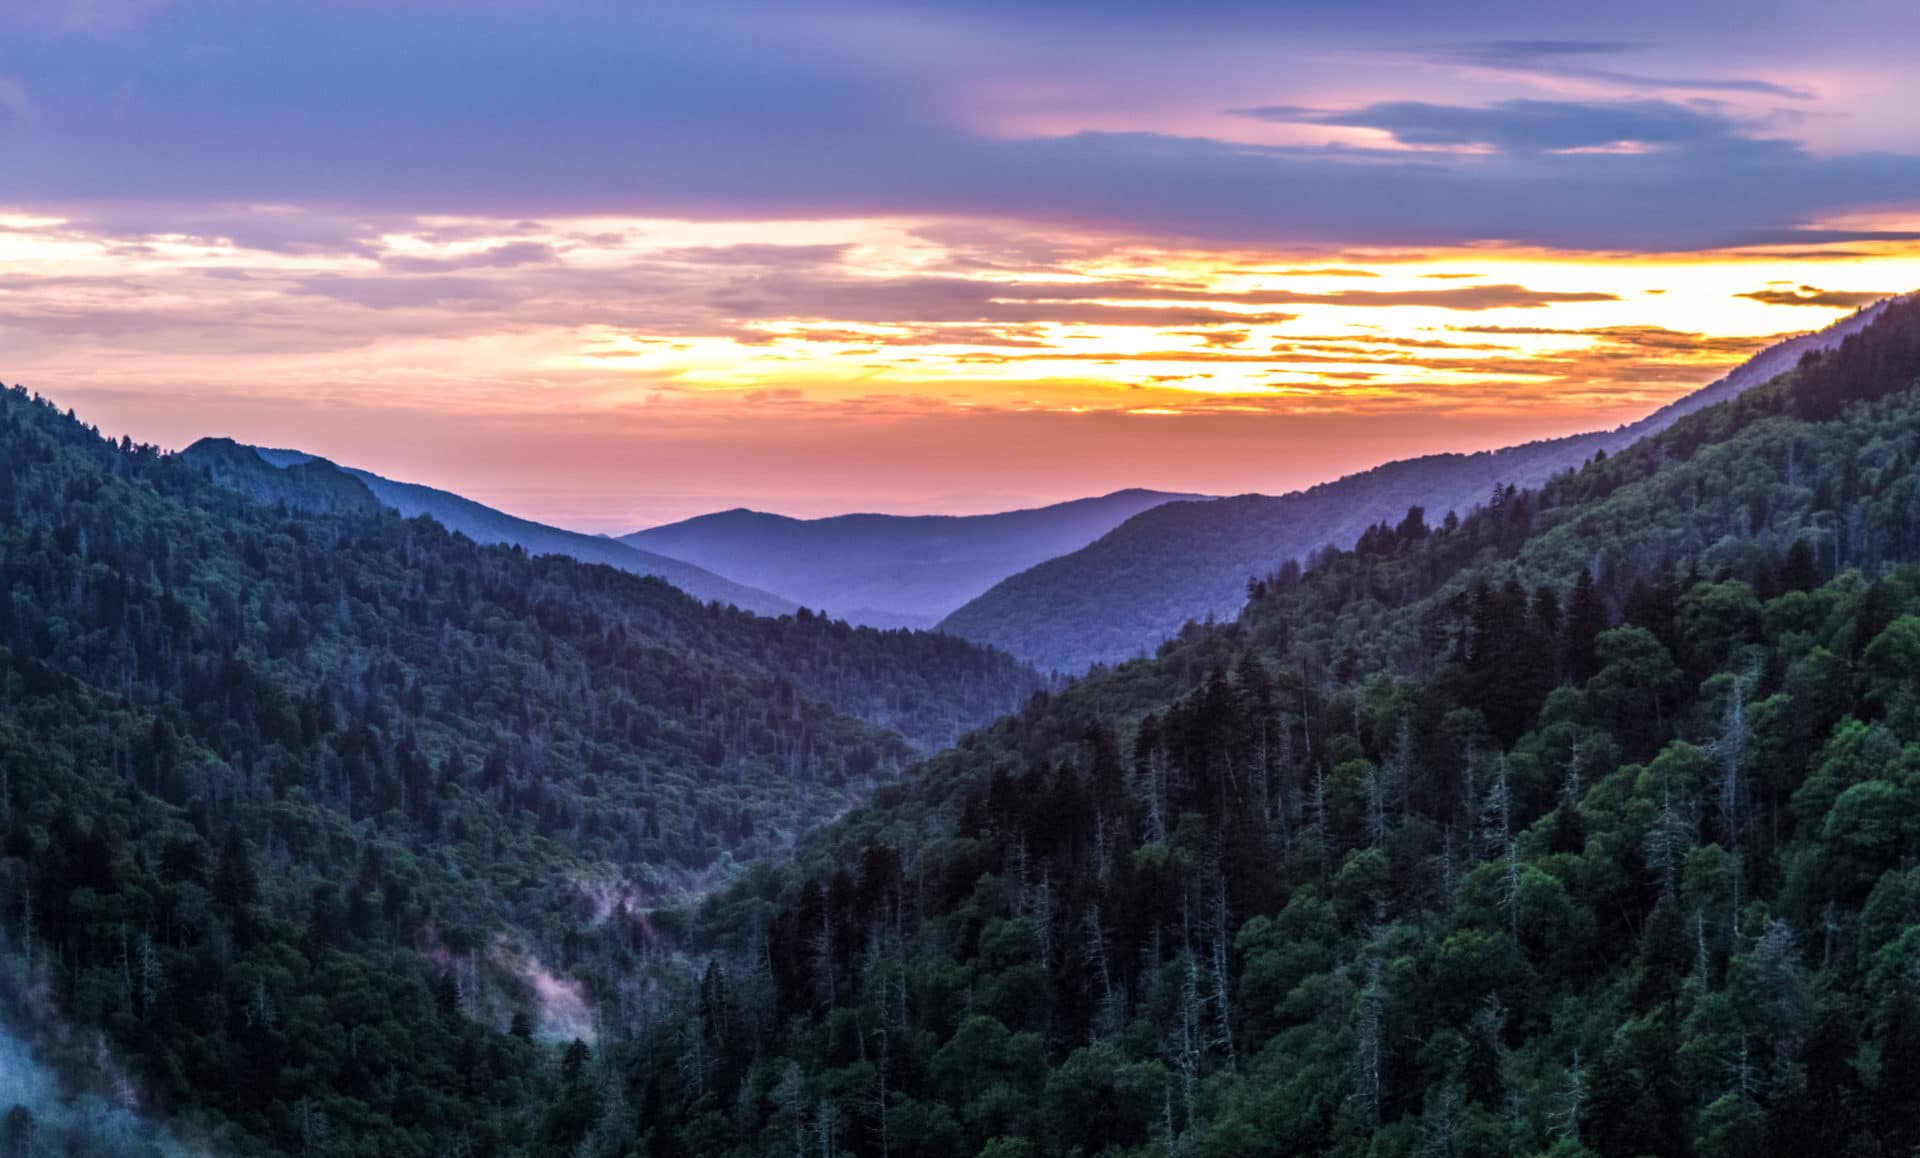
315,485
1120,596
890,570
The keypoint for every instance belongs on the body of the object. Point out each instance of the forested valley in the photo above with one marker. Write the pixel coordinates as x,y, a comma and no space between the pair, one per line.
1583,822
318,828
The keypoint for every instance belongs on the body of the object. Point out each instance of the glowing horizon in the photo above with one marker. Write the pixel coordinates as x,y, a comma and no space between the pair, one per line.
876,325
928,263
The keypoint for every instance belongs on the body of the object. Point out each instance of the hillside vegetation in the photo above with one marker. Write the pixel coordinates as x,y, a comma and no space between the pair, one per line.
318,824
1584,825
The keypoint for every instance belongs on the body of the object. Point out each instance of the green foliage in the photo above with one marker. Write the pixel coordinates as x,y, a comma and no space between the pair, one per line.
1582,825
306,807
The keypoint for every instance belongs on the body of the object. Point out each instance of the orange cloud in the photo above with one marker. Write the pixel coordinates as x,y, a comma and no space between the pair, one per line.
608,372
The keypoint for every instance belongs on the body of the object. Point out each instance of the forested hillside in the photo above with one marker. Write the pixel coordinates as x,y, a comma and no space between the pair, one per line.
315,827
1583,825
1120,596
261,472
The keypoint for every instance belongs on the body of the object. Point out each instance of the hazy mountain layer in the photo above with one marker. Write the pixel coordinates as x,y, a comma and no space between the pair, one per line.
1134,587
890,570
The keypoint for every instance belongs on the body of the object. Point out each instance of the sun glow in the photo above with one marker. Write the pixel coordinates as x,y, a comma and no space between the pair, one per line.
696,326
1216,326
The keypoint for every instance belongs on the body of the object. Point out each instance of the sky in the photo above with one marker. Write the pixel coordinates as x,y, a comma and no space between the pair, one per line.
609,263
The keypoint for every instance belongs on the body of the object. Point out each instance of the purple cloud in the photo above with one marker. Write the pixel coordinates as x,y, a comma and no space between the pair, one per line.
743,110
1523,126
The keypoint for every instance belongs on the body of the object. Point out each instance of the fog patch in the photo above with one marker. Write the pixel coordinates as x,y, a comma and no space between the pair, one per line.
562,1011
42,1113
506,978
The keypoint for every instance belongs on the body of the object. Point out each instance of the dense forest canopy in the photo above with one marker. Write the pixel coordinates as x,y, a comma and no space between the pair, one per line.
1582,822
306,811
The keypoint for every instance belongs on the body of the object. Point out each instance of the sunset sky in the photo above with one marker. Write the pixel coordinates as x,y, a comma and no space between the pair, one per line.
609,264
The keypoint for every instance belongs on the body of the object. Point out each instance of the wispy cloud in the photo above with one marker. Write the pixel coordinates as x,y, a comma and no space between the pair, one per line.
928,232
1522,126
509,255
1807,295
739,110
1593,60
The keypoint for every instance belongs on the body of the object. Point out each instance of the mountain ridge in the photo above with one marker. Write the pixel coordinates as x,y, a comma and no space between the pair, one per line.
477,521
1183,562
891,570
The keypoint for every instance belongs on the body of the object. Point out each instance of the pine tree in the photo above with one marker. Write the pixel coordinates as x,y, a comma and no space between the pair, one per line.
1585,619
236,883
1800,571
1571,1102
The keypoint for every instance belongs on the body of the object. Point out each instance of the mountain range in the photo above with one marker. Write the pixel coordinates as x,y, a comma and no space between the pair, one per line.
887,571
1121,595
890,570
1066,586
1091,581
1580,824
318,485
